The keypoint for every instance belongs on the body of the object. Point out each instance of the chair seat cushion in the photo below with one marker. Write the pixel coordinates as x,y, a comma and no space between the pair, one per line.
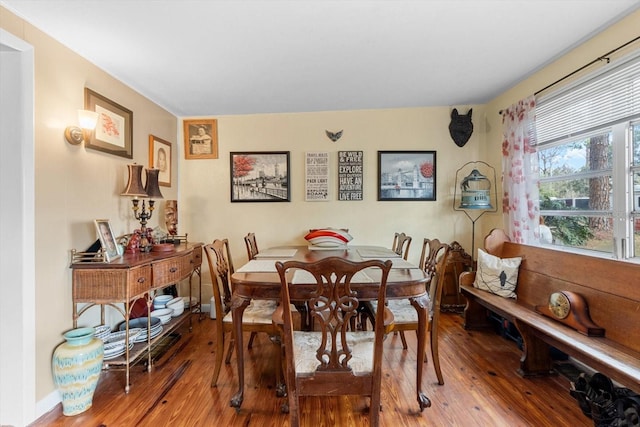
307,343
257,312
403,311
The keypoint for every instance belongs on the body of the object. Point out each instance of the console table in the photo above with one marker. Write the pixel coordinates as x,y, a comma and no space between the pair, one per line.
132,277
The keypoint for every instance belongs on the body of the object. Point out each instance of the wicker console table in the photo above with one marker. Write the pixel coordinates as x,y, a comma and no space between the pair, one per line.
121,282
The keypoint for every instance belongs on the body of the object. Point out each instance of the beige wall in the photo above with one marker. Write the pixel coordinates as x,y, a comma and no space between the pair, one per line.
207,213
75,185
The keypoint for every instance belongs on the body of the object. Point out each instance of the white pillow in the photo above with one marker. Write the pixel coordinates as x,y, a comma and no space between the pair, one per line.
496,275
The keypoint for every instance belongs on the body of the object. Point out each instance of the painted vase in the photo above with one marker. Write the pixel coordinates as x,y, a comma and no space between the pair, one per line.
77,364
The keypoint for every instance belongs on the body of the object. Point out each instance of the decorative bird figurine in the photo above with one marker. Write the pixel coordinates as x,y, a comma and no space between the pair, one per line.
334,136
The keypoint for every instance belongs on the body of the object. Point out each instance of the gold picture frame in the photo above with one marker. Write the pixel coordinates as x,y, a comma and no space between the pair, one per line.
161,158
201,139
114,130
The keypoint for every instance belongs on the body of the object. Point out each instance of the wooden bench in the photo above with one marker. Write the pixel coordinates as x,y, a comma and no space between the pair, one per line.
611,289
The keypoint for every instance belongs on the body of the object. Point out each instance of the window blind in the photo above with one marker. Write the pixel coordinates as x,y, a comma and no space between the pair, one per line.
609,96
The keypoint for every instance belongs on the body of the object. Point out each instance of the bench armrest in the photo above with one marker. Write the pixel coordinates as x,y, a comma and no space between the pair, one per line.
467,278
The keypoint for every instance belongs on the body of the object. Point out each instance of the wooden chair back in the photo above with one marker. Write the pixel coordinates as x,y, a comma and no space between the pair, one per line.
337,360
401,243
252,245
221,268
431,251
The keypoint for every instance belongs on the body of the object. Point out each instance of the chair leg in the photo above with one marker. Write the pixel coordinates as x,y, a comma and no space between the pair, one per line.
218,362
404,340
232,344
253,335
434,352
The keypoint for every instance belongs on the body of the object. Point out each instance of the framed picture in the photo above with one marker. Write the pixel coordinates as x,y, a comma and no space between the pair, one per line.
261,176
160,158
407,175
114,130
107,239
201,139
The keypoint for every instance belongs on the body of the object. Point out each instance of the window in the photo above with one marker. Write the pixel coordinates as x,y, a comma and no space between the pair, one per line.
589,161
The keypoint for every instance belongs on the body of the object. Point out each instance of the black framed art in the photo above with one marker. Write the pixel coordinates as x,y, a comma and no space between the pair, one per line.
406,175
260,176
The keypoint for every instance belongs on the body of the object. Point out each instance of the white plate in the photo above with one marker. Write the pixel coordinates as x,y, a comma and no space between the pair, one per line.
120,352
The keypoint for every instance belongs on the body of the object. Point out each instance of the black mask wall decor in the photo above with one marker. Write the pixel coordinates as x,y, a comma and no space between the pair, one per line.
460,127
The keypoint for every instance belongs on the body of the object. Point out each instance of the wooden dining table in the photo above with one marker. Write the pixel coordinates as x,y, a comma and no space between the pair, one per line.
258,279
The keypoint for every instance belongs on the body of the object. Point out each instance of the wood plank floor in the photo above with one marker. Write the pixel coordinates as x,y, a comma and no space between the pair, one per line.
481,389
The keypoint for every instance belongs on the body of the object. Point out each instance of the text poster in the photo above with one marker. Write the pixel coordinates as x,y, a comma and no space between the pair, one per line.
317,176
350,175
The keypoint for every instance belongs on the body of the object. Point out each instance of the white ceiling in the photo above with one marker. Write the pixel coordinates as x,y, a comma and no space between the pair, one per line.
243,57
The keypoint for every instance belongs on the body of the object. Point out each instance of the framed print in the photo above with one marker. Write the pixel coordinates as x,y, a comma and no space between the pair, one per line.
107,239
260,176
407,175
350,175
316,173
114,130
201,139
160,158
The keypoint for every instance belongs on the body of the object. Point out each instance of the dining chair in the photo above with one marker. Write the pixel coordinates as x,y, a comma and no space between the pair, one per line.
252,245
257,316
401,243
331,360
433,260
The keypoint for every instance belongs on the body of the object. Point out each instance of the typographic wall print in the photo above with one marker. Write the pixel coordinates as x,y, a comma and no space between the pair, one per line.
317,176
350,175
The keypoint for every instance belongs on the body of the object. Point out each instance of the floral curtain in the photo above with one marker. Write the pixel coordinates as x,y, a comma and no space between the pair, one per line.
520,203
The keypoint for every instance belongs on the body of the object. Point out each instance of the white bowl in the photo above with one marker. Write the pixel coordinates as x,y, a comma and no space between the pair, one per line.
161,301
177,305
164,314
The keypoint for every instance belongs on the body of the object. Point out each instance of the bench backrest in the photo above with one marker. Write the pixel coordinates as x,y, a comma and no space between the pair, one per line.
610,287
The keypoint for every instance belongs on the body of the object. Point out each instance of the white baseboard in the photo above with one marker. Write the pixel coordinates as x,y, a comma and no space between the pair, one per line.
47,404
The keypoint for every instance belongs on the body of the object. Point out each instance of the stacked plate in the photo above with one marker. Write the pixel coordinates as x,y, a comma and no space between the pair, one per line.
114,344
164,314
141,322
102,332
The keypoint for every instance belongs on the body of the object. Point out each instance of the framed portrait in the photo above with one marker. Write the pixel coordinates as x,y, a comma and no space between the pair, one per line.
406,175
201,139
107,239
114,129
160,158
260,176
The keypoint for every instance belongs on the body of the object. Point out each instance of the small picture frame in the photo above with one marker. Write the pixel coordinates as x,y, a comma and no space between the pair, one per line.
114,129
160,158
201,139
260,176
108,242
406,175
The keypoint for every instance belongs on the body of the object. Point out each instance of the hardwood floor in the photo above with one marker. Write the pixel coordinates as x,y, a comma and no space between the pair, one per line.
481,389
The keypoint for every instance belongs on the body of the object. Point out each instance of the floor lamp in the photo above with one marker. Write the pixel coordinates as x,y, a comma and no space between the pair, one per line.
476,184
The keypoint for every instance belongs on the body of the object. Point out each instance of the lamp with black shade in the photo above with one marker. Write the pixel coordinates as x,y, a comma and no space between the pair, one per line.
142,239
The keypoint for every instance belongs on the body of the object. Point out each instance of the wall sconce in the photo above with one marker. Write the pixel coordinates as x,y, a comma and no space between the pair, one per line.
76,134
479,193
142,238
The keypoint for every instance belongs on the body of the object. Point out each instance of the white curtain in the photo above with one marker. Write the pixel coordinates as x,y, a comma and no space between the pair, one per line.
520,202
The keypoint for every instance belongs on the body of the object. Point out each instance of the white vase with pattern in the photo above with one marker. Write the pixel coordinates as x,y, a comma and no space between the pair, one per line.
76,367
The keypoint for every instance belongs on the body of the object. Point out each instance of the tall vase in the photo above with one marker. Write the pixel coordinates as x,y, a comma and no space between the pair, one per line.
77,364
